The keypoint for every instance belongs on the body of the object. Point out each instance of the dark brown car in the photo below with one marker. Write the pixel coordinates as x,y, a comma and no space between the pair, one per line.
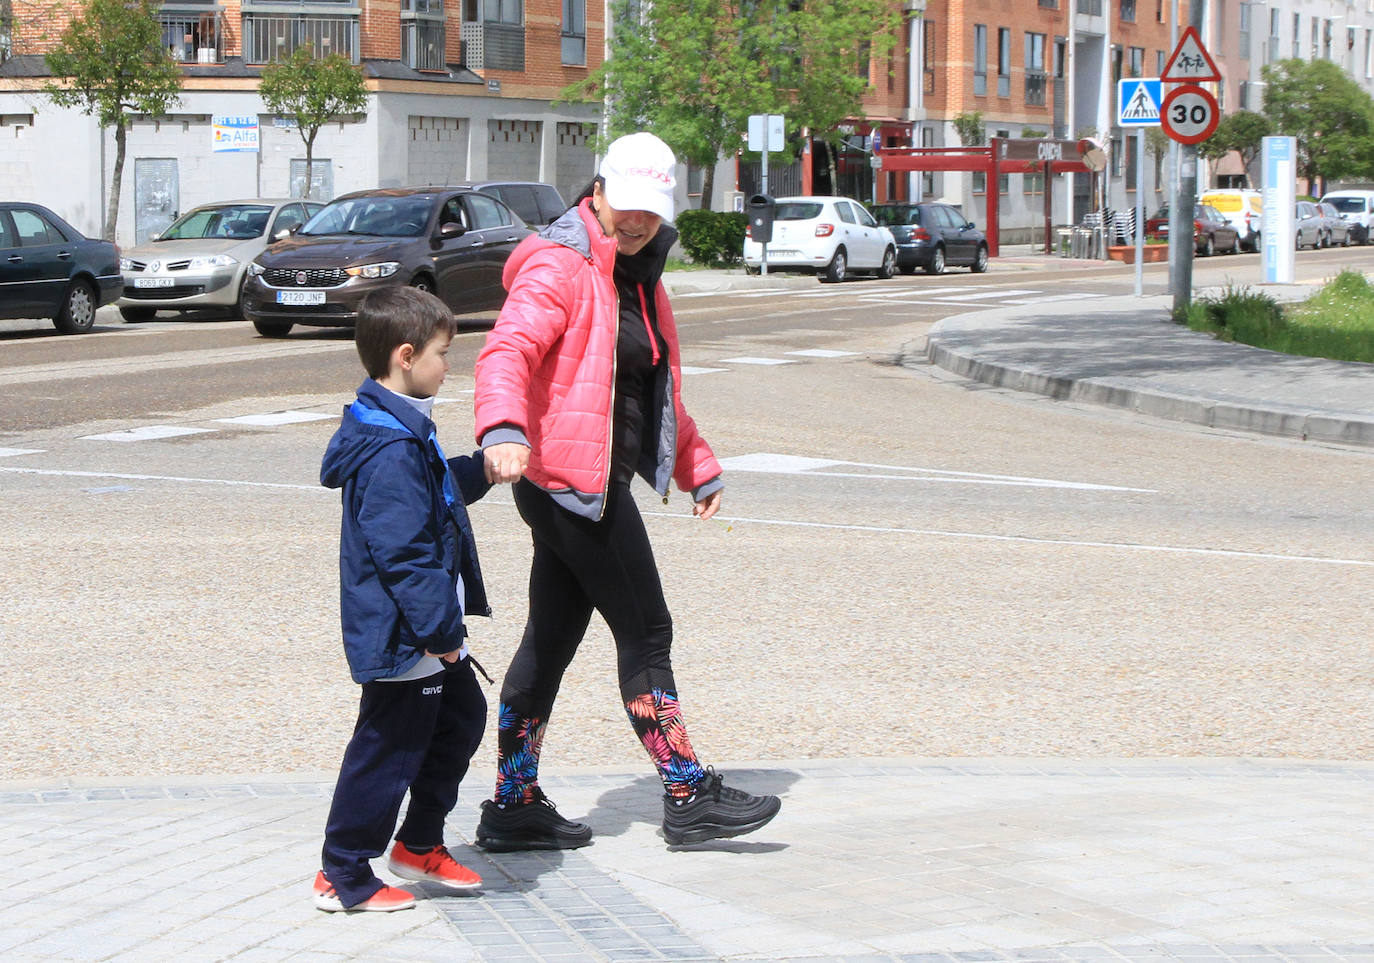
452,241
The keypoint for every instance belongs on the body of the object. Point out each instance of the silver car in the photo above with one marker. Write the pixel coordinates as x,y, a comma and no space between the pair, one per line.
199,260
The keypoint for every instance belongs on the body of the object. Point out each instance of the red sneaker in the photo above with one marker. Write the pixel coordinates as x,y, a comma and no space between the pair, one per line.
385,900
434,866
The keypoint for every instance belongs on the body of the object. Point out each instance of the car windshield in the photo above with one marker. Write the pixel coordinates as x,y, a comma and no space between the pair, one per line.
373,216
896,216
237,221
797,211
1347,205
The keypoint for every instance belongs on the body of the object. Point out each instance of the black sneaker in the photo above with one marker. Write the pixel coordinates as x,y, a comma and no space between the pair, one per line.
715,811
509,827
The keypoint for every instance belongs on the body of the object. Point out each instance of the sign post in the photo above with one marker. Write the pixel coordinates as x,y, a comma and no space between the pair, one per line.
1138,101
1188,116
766,132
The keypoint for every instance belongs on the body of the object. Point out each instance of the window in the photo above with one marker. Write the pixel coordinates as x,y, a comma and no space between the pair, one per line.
1035,69
1033,183
487,212
271,38
980,60
503,34
193,37
1297,35
864,60
6,35
1091,8
1159,63
1135,61
846,213
1003,62
1271,52
1245,31
1326,41
34,229
1368,54
928,59
1003,180
509,12
574,32
1127,11
1050,4
422,34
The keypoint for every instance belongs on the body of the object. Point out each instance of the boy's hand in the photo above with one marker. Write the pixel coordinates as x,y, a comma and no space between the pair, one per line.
445,656
708,506
505,462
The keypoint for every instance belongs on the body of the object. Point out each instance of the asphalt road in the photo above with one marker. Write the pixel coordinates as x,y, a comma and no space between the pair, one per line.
906,564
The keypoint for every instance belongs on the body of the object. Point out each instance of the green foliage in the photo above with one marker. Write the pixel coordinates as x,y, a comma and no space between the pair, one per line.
693,71
1337,322
110,62
969,127
1034,132
712,237
1242,132
313,91
1330,116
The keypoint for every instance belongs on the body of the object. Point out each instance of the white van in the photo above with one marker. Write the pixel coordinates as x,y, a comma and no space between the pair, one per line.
1242,207
1357,207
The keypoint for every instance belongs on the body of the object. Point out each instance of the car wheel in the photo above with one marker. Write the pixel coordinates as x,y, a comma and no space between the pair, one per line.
1209,248
751,270
1236,245
937,261
889,266
1297,243
78,309
138,314
273,329
837,268
423,282
980,260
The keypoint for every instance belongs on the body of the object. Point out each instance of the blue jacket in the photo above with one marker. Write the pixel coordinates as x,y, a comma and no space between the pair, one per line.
405,536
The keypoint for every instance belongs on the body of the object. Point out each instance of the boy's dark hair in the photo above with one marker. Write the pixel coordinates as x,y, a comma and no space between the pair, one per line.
391,317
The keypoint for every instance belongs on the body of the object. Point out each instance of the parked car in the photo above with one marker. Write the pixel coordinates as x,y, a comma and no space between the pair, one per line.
1243,207
933,236
1307,225
1335,228
201,259
830,236
538,205
49,269
1358,208
1211,231
452,241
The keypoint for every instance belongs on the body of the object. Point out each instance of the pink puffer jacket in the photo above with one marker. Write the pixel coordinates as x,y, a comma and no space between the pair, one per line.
546,373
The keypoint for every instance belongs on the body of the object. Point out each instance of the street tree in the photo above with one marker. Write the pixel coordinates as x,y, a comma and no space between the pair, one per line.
1242,132
1330,116
970,128
109,62
312,91
693,71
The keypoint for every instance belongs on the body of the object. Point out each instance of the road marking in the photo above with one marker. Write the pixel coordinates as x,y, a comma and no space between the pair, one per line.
987,295
106,367
1029,540
775,464
762,361
146,433
67,473
1046,298
823,353
11,452
689,369
277,418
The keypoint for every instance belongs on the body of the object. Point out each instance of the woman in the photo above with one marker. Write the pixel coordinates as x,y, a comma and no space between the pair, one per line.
578,390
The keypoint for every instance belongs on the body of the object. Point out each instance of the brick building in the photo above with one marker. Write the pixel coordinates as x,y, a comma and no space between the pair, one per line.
457,90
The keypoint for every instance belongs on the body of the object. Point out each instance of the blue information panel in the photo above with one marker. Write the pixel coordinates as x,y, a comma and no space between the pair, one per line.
1278,166
1138,100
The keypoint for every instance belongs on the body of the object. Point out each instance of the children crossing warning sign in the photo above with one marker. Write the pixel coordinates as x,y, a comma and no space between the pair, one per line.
1138,100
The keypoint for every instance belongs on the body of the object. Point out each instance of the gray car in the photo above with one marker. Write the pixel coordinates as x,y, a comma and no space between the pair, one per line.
200,259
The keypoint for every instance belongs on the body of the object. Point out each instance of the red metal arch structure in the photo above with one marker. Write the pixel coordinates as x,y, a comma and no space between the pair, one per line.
1001,156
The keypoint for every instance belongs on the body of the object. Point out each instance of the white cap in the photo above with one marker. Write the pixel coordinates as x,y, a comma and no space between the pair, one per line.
640,173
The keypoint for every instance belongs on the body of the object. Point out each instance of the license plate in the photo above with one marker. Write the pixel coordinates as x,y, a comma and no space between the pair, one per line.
154,282
782,252
300,297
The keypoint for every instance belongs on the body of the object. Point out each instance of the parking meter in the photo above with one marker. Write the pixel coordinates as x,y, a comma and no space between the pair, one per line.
760,211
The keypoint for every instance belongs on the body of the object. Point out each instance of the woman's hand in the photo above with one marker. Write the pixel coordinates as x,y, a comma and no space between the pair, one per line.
708,506
505,462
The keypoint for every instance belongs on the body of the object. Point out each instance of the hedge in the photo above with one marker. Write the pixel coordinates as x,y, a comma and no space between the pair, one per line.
712,237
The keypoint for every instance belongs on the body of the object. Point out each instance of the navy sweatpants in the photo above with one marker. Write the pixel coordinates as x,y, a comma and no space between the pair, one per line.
418,735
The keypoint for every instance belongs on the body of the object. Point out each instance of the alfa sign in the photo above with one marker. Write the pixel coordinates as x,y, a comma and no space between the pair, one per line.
232,133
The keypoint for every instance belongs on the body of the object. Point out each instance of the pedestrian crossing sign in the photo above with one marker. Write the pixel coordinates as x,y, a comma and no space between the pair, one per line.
1138,100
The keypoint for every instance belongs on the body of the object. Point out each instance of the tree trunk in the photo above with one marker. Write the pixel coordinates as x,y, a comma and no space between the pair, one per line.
708,186
112,211
833,168
309,161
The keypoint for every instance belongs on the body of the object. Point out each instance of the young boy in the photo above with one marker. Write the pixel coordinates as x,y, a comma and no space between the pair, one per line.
407,573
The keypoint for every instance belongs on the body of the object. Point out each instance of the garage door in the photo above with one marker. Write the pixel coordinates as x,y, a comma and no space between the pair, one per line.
513,150
436,150
576,159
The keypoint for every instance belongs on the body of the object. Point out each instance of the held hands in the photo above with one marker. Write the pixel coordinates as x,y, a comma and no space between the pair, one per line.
506,462
708,506
449,657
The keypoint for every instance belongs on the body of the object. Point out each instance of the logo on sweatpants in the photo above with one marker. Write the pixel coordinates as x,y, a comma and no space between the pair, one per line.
432,690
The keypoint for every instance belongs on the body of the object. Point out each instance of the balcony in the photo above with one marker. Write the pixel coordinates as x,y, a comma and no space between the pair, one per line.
273,38
193,37
422,43
1035,89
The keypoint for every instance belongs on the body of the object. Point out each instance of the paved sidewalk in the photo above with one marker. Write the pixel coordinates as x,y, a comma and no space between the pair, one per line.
926,860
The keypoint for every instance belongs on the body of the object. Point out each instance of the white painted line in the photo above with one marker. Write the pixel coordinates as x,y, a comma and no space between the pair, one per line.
1044,299
1029,540
775,464
146,433
988,295
689,369
763,361
166,478
277,418
11,452
823,353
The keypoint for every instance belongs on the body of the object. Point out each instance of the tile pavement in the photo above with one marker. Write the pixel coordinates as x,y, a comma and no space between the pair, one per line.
957,861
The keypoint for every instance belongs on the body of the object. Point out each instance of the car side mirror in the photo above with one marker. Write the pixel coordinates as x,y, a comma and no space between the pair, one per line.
283,233
970,226
451,229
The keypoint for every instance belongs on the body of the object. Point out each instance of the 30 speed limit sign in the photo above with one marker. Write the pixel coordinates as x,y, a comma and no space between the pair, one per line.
1189,114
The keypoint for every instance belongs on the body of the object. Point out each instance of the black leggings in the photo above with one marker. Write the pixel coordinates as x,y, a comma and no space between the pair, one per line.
580,565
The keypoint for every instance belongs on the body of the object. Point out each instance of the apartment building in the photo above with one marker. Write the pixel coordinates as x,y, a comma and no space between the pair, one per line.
457,90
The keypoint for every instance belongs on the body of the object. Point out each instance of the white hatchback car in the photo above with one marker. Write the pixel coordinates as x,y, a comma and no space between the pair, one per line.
829,236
